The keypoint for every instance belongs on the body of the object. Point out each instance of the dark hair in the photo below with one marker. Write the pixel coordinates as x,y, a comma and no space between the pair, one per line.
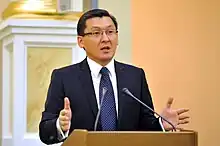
91,14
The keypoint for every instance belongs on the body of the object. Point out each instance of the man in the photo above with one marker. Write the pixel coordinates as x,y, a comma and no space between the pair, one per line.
77,93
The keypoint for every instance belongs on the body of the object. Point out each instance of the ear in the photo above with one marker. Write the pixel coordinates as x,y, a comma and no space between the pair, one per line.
80,41
117,41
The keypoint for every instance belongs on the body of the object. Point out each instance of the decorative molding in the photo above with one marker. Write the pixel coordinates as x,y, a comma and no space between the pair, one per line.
41,9
38,27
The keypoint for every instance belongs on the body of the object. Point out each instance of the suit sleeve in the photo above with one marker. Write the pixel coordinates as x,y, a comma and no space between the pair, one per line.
53,105
148,121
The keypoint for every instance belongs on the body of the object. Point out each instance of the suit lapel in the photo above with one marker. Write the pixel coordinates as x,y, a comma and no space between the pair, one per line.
119,69
86,79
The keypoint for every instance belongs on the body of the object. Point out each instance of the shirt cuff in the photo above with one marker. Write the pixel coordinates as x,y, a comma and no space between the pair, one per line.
61,135
161,124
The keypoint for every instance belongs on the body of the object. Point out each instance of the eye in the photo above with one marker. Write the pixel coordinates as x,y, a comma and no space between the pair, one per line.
96,33
111,31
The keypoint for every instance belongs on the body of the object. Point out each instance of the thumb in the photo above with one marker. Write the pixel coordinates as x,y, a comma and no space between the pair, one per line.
66,104
169,102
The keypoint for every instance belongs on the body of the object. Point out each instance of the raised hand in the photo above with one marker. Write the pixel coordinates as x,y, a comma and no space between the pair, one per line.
65,116
176,117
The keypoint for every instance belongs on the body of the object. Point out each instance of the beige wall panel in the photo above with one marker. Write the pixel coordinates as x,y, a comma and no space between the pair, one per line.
41,62
177,43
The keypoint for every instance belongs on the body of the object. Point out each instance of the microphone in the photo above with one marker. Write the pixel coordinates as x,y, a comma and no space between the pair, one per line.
104,90
126,91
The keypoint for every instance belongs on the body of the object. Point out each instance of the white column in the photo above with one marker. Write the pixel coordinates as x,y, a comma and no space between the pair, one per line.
6,87
19,92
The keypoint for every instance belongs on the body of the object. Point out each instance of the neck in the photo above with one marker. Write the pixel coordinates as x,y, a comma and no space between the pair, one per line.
101,62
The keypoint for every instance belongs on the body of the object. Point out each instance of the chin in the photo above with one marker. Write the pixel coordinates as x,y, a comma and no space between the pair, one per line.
107,56
106,59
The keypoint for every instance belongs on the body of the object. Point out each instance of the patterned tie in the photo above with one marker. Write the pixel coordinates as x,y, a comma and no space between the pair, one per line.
108,110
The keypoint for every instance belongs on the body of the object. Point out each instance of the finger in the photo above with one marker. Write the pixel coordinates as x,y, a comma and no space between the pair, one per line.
65,128
64,123
183,122
183,117
66,103
63,112
183,110
169,102
64,118
179,128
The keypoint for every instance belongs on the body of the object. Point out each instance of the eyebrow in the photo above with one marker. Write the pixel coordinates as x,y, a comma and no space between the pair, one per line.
96,27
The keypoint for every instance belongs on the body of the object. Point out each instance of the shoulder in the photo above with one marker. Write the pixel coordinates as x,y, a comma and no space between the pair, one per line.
67,70
130,70
128,67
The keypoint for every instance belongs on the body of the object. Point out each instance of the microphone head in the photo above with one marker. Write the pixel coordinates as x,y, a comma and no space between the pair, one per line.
125,90
104,90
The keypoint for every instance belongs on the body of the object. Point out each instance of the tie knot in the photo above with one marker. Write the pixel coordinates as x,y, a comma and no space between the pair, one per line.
104,71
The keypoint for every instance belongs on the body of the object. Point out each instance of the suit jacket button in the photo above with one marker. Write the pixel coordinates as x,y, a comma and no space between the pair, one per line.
51,137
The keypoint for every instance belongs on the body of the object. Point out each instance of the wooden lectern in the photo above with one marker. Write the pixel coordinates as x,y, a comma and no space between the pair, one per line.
131,138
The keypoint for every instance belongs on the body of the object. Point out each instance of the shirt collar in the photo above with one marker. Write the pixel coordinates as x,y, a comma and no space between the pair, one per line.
95,67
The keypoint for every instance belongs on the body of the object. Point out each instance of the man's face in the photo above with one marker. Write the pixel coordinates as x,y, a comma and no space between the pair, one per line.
100,40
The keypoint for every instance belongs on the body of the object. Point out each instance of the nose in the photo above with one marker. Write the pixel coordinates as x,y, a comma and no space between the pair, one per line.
105,36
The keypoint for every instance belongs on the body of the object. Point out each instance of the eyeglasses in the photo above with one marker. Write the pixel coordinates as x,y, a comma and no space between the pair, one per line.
99,33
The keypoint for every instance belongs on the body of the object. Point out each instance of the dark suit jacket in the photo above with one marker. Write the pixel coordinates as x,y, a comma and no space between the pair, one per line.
75,82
